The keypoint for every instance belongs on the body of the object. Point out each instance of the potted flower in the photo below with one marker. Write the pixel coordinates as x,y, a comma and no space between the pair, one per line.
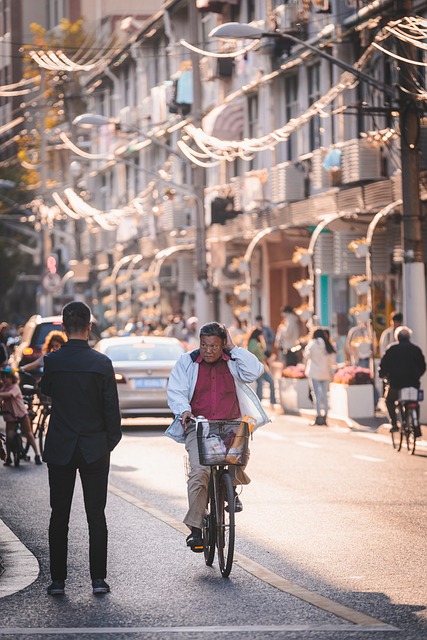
294,389
361,284
361,312
360,247
351,393
304,287
301,256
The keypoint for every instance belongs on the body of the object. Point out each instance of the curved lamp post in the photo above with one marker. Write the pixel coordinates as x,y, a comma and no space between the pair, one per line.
243,31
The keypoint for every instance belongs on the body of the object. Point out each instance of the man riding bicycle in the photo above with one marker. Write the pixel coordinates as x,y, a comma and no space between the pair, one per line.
211,382
402,365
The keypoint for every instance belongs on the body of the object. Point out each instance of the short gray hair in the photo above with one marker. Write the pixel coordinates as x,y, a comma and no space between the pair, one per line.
403,333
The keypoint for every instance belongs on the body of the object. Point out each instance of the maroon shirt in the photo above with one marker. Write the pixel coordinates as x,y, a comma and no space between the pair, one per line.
215,395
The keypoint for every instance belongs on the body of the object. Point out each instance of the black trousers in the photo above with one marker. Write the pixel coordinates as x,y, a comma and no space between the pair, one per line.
62,479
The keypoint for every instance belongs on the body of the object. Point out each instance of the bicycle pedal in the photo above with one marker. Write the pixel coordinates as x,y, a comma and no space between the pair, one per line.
198,549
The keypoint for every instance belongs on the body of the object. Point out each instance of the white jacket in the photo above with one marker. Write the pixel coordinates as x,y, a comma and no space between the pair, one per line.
243,366
319,361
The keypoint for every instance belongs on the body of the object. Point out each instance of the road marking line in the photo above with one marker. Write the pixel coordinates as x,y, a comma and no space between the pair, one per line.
165,631
260,572
367,458
21,566
309,445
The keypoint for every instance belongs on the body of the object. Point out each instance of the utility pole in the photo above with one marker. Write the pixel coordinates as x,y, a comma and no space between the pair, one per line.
204,307
414,284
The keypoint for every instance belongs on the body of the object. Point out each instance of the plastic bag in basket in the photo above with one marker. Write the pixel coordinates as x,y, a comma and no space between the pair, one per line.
214,449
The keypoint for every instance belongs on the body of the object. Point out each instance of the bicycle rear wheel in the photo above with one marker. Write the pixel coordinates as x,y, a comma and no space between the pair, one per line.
401,425
17,449
410,432
225,527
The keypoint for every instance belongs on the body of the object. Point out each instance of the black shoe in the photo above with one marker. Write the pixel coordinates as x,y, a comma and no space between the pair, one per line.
100,586
38,460
195,540
56,588
394,429
316,422
8,461
238,506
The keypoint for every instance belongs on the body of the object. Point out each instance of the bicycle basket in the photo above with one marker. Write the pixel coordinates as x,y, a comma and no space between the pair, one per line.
225,443
411,393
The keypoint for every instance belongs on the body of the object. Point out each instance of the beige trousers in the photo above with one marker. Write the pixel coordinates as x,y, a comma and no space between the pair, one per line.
198,481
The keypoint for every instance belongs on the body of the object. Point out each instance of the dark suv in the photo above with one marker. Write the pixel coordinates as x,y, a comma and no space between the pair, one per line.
34,335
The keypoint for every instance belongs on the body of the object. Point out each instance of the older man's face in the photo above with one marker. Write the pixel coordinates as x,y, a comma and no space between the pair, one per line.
211,348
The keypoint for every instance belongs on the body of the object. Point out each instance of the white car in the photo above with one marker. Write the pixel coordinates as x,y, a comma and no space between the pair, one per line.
142,365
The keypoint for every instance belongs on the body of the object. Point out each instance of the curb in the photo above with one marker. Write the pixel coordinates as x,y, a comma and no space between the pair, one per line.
21,567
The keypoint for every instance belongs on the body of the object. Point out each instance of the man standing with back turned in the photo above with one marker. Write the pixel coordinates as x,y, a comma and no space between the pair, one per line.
84,427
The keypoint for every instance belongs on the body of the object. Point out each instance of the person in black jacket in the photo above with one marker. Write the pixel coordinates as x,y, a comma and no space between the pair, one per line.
85,425
403,364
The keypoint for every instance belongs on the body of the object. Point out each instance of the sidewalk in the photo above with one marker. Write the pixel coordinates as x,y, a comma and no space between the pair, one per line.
378,424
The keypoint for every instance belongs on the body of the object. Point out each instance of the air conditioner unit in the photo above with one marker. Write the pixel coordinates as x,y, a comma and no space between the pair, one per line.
145,109
286,15
361,161
129,116
287,183
208,69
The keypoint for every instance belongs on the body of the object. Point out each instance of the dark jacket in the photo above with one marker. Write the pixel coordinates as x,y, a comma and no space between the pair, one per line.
403,364
85,406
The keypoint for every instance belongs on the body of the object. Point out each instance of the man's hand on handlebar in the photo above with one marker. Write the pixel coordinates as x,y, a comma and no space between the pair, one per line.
186,418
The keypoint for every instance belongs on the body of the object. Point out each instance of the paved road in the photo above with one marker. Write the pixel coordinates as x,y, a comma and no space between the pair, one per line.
331,544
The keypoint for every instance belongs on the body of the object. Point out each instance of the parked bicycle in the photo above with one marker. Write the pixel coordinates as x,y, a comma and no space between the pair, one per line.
221,445
408,420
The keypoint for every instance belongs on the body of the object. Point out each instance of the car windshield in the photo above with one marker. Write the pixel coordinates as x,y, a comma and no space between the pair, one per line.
144,351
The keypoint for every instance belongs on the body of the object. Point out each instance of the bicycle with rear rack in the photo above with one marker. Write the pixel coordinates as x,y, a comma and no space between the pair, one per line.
408,419
222,444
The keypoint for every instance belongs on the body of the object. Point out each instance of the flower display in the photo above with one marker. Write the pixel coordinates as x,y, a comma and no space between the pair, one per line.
360,283
294,371
304,287
353,375
301,256
304,312
360,247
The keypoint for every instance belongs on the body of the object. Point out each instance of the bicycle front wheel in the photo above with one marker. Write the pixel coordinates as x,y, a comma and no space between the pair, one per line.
225,527
42,430
208,530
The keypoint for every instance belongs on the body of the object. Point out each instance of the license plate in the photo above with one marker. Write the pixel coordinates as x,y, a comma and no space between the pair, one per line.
149,383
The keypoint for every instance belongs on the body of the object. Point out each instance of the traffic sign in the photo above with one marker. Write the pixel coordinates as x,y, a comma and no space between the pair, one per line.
52,282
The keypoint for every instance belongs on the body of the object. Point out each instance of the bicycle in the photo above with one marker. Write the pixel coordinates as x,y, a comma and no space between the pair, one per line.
221,444
39,407
408,411
16,445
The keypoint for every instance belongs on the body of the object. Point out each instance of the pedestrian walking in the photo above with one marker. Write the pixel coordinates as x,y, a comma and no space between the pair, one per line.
53,341
387,336
211,381
320,357
287,336
257,346
267,332
84,428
